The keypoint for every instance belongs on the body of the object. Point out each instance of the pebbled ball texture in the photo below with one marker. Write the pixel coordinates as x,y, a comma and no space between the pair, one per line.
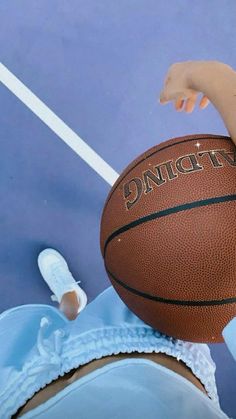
168,236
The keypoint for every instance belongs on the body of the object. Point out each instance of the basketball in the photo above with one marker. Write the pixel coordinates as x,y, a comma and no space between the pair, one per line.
168,237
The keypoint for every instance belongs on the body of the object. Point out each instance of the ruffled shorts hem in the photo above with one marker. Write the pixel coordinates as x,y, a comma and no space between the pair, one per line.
105,327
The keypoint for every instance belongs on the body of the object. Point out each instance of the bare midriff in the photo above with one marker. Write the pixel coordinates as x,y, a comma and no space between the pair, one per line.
60,383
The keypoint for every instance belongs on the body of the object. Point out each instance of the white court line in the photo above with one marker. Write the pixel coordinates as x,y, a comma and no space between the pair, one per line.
57,125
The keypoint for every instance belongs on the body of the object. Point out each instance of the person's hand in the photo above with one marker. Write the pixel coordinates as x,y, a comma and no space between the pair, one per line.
178,86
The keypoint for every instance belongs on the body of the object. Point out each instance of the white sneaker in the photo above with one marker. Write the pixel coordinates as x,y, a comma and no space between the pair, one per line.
55,272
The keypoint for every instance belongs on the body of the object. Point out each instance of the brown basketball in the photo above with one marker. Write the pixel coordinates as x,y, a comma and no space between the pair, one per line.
168,236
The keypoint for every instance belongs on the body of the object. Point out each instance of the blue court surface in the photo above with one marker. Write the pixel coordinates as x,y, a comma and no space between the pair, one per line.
99,67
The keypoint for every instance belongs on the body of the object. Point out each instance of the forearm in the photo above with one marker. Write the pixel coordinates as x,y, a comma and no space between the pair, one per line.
218,82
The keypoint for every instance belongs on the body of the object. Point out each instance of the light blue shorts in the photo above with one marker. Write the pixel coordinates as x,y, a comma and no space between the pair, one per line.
41,344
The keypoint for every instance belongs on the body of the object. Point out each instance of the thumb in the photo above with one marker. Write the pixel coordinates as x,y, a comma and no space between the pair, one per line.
167,96
163,98
183,94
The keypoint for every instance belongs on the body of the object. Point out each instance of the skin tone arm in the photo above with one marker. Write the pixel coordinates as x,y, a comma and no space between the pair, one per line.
216,80
219,85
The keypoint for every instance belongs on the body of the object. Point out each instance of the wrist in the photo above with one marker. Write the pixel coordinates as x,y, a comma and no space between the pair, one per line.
205,75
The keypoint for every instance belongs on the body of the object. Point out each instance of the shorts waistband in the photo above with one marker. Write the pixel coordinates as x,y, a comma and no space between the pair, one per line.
63,355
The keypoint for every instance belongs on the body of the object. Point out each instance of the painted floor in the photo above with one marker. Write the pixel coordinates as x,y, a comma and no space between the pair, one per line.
99,67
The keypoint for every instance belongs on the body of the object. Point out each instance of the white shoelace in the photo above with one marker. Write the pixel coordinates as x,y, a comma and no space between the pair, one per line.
60,278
